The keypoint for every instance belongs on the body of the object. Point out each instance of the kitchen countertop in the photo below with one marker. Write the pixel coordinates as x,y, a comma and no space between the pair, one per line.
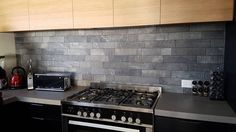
35,96
185,106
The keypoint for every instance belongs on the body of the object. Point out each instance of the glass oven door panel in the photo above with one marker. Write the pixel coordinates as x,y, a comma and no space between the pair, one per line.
84,125
75,126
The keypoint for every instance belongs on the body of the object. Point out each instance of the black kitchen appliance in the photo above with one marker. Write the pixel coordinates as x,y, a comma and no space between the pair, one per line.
230,64
111,108
52,81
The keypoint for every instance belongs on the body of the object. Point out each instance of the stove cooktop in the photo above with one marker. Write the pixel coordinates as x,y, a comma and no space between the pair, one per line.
121,97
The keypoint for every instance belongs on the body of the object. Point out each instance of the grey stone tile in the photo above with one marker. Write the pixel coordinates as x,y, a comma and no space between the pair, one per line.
115,65
188,51
170,81
218,43
160,44
160,36
107,52
207,27
192,35
215,51
104,44
101,58
78,52
128,72
180,59
210,59
142,30
53,39
152,52
213,35
49,33
187,74
155,73
126,51
195,43
130,45
80,45
175,36
33,39
173,28
75,38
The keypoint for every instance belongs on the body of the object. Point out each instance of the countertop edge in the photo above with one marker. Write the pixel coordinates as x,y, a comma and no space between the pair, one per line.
194,116
39,101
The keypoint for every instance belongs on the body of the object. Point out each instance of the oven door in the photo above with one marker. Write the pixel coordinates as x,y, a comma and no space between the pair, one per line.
87,125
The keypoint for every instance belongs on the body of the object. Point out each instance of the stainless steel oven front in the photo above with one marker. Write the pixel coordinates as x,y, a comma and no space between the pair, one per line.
74,124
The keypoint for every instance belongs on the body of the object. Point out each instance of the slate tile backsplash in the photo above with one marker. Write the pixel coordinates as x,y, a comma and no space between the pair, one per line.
157,55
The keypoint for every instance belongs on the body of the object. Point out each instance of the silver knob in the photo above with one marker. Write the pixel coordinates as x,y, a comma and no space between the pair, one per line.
98,115
130,119
79,113
123,118
85,114
92,114
138,120
113,117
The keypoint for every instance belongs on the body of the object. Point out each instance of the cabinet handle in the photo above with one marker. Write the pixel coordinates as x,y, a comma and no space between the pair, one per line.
38,118
40,105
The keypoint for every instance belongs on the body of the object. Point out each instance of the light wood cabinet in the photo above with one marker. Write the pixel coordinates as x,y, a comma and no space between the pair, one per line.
50,14
14,15
188,11
136,12
93,13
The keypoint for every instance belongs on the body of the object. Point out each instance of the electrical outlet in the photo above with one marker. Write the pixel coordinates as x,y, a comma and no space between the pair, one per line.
186,83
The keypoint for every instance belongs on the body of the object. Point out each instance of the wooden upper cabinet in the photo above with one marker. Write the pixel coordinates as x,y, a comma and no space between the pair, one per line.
14,15
188,11
136,12
93,13
50,14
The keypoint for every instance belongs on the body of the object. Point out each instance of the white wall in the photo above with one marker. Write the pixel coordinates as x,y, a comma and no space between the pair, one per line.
8,49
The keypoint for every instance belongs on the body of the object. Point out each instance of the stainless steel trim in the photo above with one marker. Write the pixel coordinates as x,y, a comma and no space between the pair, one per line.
115,107
108,127
106,120
50,89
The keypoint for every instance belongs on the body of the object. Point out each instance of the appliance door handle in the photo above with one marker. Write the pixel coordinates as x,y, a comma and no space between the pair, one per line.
101,126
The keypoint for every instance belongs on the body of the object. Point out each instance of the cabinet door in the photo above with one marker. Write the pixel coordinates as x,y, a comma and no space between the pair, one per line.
14,15
187,11
93,13
136,12
50,14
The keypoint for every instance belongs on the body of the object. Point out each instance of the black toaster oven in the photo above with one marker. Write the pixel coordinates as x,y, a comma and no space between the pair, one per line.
52,81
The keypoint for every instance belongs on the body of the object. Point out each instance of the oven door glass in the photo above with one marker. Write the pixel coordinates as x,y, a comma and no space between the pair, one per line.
75,125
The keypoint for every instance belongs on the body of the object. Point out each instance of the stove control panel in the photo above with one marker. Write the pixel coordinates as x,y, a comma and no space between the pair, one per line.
108,114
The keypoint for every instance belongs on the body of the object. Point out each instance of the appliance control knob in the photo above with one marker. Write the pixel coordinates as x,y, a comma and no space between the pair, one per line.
130,119
98,115
113,117
123,118
79,113
138,120
85,114
92,114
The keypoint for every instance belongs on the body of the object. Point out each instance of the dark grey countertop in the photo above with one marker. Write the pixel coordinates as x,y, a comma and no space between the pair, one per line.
34,96
195,108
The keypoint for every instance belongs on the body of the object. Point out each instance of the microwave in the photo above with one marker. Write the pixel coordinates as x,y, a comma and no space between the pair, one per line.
52,81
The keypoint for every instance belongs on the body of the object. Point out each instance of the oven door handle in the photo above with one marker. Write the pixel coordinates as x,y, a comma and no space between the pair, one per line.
101,126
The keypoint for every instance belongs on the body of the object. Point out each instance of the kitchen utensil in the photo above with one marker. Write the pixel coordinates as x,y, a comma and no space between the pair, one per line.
18,79
30,76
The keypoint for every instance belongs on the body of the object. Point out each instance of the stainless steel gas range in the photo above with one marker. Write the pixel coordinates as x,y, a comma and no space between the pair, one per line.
111,108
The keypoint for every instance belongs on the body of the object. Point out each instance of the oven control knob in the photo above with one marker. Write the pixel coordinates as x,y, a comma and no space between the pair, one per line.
79,113
138,120
123,118
113,117
130,119
85,114
92,114
98,115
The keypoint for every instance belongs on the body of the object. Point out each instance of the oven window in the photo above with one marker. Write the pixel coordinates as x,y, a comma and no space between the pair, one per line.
75,128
